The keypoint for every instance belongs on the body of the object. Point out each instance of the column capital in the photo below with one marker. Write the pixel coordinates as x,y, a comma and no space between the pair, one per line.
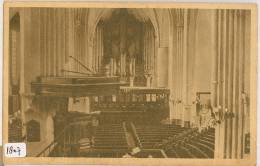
148,75
131,81
187,106
214,82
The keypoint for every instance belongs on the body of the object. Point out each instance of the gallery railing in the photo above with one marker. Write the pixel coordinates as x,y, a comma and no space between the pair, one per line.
66,142
55,147
132,99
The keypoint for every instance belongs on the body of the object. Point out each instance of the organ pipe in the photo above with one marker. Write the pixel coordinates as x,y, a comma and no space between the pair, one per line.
98,48
149,46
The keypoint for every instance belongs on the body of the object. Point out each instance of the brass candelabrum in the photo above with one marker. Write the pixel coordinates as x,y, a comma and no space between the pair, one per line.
222,114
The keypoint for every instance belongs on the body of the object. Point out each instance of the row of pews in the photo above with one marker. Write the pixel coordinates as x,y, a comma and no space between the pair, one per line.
109,141
150,135
110,137
158,140
176,141
194,145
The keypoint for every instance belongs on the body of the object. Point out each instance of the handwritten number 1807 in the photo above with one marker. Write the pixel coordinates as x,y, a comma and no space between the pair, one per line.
11,150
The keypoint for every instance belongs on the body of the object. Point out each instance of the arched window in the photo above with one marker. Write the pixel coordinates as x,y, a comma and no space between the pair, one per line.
33,131
15,130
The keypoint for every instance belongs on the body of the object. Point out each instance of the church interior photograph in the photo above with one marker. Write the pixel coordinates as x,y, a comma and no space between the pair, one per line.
130,82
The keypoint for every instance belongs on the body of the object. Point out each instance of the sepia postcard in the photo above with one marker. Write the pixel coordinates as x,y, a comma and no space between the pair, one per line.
130,83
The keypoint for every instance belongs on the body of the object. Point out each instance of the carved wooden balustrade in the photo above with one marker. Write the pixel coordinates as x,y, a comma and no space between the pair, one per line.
138,104
133,99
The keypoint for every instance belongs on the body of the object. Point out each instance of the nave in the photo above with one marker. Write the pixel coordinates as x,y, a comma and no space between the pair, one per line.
130,82
114,140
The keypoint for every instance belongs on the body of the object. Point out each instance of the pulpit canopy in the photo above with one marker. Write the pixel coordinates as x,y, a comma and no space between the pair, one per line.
76,86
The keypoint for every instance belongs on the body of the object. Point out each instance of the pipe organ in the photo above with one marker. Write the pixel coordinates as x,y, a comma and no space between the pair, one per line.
129,47
122,45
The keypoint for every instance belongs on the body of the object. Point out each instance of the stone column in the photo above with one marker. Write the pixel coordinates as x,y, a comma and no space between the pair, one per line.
98,48
214,77
186,117
148,78
228,71
186,108
22,74
191,40
170,68
179,64
131,81
22,31
71,36
149,50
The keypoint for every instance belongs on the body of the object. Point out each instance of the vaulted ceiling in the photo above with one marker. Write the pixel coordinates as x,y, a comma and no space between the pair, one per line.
140,14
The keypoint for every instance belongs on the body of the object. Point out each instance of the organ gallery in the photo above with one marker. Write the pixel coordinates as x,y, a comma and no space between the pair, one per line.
130,82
